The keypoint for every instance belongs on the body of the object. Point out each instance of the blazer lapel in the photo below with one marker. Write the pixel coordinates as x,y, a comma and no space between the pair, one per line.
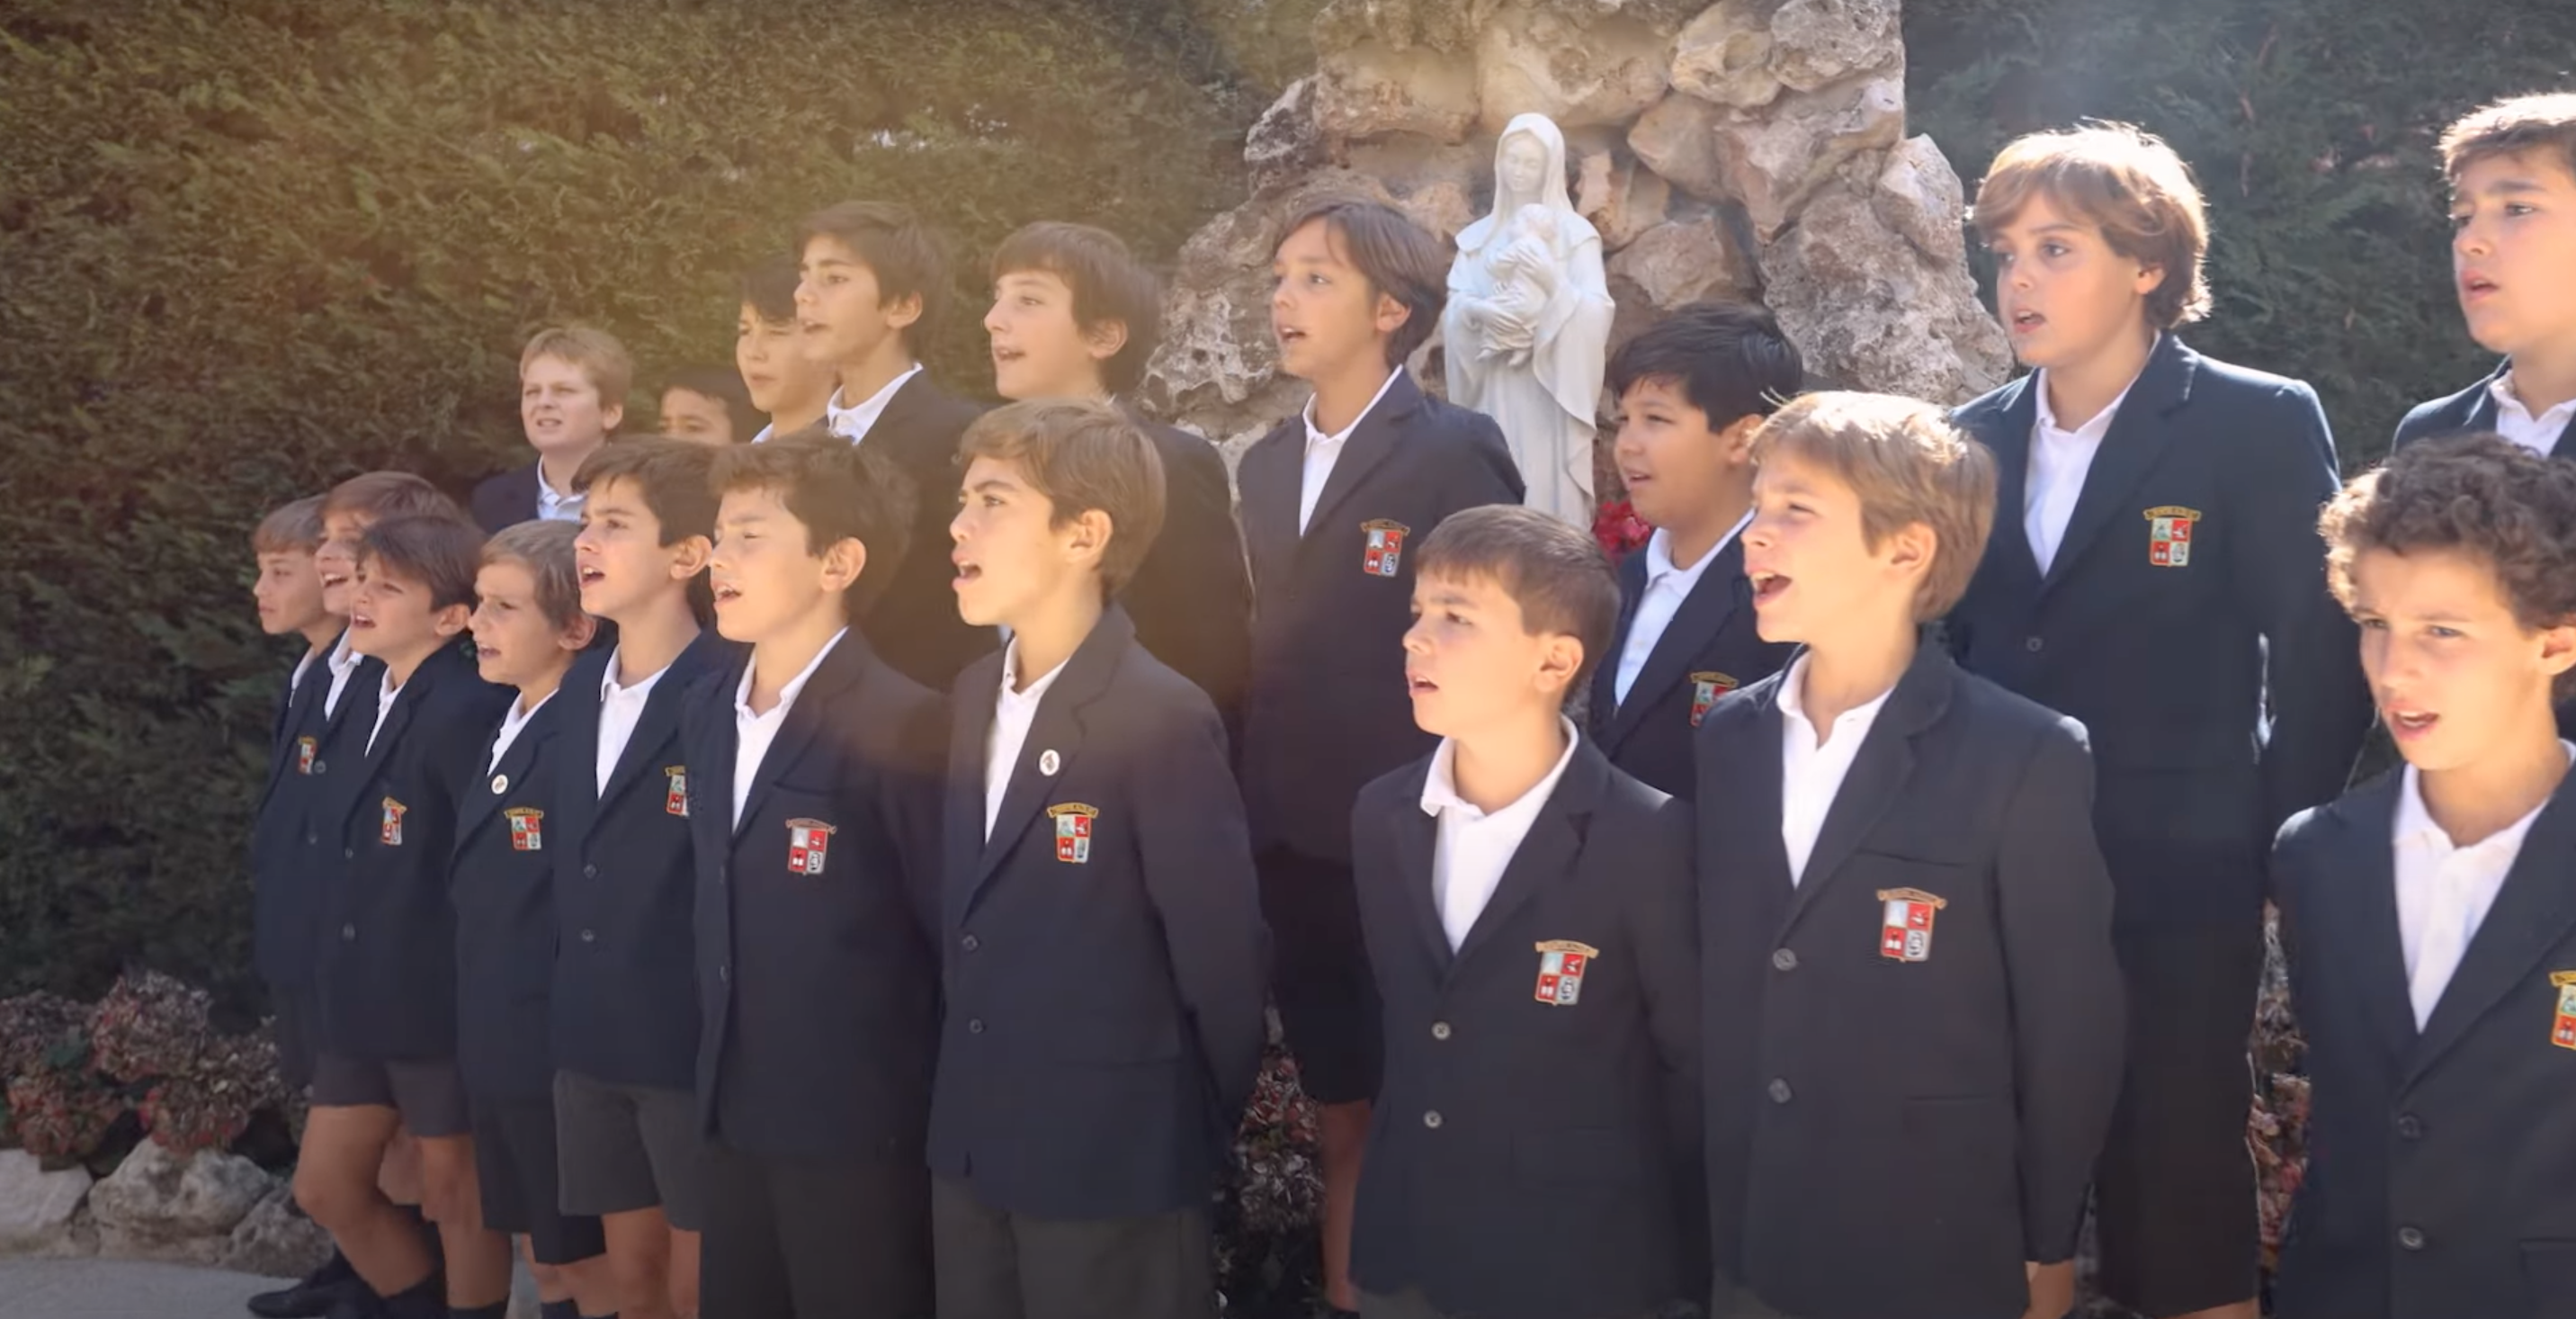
2371,911
481,802
1057,728
2532,914
1270,476
2139,435
1603,699
1555,840
1417,845
1370,444
848,658
1714,598
654,727
1885,761
2009,546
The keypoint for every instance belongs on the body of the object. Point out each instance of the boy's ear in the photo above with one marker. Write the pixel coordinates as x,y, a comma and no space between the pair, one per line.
2558,648
843,562
610,414
902,312
691,557
1735,443
1911,549
452,620
1560,658
576,638
1087,534
1104,339
1391,314
2150,278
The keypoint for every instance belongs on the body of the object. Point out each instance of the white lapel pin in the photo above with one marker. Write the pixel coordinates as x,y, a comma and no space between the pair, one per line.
500,784
1049,762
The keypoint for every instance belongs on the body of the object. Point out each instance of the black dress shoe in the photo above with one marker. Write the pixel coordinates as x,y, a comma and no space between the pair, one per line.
312,1298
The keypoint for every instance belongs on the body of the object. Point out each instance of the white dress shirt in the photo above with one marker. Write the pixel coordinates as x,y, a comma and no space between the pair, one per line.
2059,461
1812,769
2515,422
343,662
2444,892
620,709
511,723
1013,712
765,433
555,507
854,422
754,732
1667,586
385,694
1322,451
1474,848
303,666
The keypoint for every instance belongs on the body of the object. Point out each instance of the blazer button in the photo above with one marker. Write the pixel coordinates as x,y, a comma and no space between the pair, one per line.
348,933
970,943
589,937
2410,1127
1783,959
590,872
1779,1091
2033,645
724,972
319,766
312,840
1432,1119
348,854
975,1026
2410,1238
1440,1030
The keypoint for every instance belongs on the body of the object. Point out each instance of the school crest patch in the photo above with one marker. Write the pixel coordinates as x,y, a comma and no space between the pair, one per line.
2562,1032
527,829
1561,964
390,833
1905,930
676,801
807,842
2169,535
1385,547
1705,689
1073,822
304,751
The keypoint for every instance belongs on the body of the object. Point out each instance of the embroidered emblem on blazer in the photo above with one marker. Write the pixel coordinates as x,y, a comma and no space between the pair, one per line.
2169,535
391,832
304,749
1905,933
807,841
1561,964
676,801
527,829
1705,689
2562,1032
1073,831
1385,546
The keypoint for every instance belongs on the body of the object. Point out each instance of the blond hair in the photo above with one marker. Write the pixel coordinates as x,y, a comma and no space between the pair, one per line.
2124,181
1908,465
602,359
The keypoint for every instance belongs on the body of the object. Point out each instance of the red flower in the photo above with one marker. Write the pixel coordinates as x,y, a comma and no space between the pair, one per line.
1619,530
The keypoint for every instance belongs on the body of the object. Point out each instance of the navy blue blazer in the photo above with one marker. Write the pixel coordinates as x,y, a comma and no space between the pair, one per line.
1191,598
625,885
2190,572
505,500
1328,711
509,830
1106,963
1522,1158
818,984
2441,1173
2469,411
288,863
914,625
1917,1044
388,963
1710,648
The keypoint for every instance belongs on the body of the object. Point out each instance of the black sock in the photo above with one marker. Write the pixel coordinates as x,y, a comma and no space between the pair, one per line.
567,1310
337,1270
499,1309
418,1301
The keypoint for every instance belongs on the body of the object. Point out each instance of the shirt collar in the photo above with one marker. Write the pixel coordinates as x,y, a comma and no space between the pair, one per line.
765,433
610,678
2100,425
552,503
2415,826
1440,786
2506,400
787,694
1659,554
1791,703
853,422
1315,437
343,660
1011,676
515,719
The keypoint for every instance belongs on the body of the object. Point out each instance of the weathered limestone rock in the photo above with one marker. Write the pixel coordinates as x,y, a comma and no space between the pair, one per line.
1724,56
1870,311
1678,140
1683,261
1772,161
1285,142
1577,74
1625,201
36,1206
1816,42
1918,195
160,1205
274,1241
1372,91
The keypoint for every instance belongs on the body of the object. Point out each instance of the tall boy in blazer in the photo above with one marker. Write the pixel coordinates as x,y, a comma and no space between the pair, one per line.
1912,1017
1333,503
1105,961
814,815
386,1059
1075,316
2511,261
527,626
1530,920
2430,916
572,393
1692,390
874,285
625,883
2155,574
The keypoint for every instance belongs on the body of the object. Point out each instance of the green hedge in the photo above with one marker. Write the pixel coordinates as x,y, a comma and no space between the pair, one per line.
2311,125
250,248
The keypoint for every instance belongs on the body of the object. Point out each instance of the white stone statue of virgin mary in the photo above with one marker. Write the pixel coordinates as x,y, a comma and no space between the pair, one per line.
1528,325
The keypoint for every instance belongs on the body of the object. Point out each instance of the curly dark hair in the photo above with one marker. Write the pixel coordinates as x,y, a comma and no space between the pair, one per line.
2481,494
